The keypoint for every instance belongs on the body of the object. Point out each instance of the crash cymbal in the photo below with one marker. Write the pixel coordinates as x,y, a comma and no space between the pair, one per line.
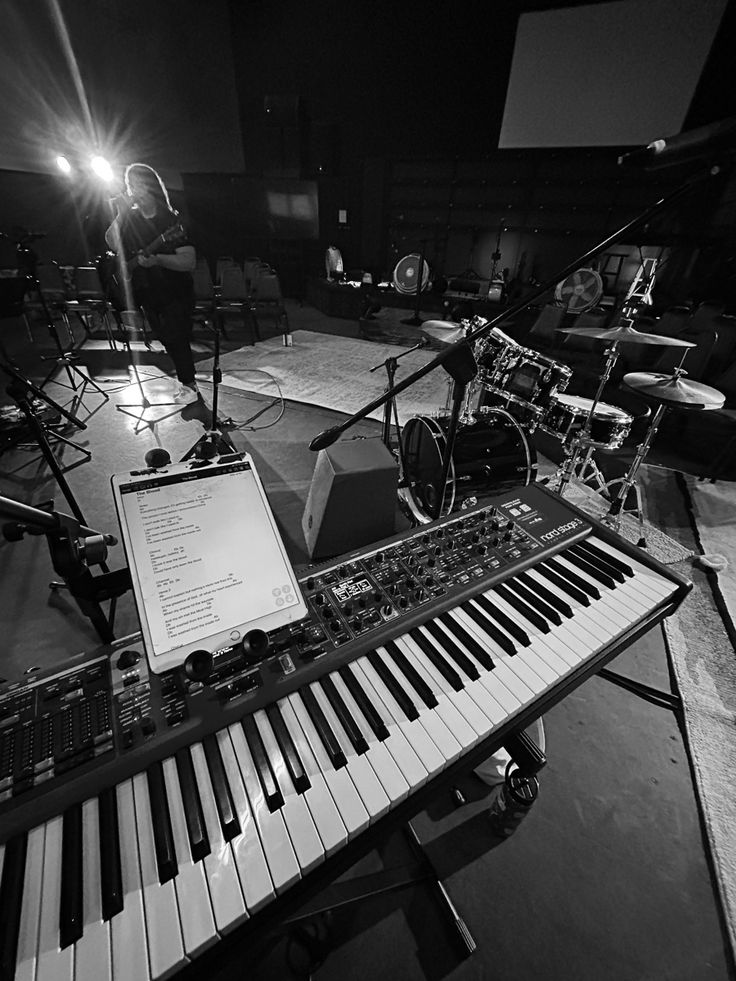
442,332
625,335
675,390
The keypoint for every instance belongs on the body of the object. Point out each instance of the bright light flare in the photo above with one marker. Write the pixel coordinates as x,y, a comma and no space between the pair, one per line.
63,164
102,168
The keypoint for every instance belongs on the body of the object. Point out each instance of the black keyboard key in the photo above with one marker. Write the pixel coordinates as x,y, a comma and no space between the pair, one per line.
221,788
468,641
546,594
509,625
349,724
323,727
449,647
563,584
364,703
513,599
590,569
271,789
163,834
483,619
111,879
288,750
411,674
71,911
11,900
610,559
403,699
199,841
535,601
575,579
446,670
600,560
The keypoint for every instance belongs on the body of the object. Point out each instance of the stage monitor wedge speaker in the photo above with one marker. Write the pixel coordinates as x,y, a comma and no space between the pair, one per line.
352,499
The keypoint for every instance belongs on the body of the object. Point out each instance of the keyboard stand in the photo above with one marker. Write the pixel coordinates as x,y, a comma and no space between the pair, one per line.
345,893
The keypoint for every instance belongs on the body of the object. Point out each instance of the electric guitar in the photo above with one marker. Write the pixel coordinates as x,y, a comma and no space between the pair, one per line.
120,285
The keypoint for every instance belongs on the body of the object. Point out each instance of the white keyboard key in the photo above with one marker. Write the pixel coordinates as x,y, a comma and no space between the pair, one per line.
461,700
407,757
278,849
528,654
325,814
53,963
443,738
347,799
228,904
520,680
92,952
367,784
647,580
543,644
498,701
165,948
193,897
128,928
303,834
255,879
384,765
28,938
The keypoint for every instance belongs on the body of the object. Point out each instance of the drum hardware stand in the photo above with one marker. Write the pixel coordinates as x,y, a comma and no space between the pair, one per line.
567,471
20,390
130,320
629,481
73,548
462,367
416,320
709,170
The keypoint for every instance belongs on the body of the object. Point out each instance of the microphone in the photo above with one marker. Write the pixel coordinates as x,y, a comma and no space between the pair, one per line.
325,438
696,144
157,457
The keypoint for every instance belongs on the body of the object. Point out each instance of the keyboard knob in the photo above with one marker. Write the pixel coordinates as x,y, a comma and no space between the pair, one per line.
127,659
148,725
254,645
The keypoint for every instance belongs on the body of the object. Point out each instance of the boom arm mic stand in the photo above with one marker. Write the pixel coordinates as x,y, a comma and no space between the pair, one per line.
73,548
328,436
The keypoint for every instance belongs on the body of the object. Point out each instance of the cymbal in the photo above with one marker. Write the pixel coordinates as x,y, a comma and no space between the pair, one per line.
442,332
625,335
675,390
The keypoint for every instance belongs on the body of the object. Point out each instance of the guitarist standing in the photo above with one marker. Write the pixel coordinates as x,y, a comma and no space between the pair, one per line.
156,261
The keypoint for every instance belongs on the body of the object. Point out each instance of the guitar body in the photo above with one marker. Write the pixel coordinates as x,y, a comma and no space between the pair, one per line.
127,282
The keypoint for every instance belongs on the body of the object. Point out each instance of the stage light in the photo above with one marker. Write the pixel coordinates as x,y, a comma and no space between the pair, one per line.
102,168
63,164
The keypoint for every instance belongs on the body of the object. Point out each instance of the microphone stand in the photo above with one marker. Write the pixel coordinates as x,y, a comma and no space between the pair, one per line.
416,320
390,409
328,436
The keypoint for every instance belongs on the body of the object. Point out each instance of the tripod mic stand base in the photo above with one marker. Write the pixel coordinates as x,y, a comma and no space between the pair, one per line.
141,421
209,446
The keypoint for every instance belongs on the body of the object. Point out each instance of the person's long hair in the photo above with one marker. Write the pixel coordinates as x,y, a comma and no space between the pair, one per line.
153,183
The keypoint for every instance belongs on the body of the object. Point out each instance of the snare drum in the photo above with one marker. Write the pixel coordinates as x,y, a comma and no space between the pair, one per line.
490,456
566,415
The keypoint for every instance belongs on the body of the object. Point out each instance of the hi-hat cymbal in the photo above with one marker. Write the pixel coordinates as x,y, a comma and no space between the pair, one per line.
675,390
442,332
625,335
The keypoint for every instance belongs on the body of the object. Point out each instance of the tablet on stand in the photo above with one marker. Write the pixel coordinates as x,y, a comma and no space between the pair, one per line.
208,566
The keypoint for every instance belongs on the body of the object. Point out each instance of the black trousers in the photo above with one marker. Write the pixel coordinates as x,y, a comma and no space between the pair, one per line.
171,322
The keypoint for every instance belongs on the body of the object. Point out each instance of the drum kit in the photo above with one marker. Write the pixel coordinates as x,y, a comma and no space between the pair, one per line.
516,391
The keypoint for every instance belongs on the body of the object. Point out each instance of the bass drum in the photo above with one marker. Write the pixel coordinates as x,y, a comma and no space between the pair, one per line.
491,456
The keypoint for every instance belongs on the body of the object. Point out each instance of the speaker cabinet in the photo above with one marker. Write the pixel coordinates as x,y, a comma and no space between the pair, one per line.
352,499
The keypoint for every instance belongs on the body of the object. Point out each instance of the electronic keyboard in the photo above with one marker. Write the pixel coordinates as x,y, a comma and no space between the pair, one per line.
145,817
